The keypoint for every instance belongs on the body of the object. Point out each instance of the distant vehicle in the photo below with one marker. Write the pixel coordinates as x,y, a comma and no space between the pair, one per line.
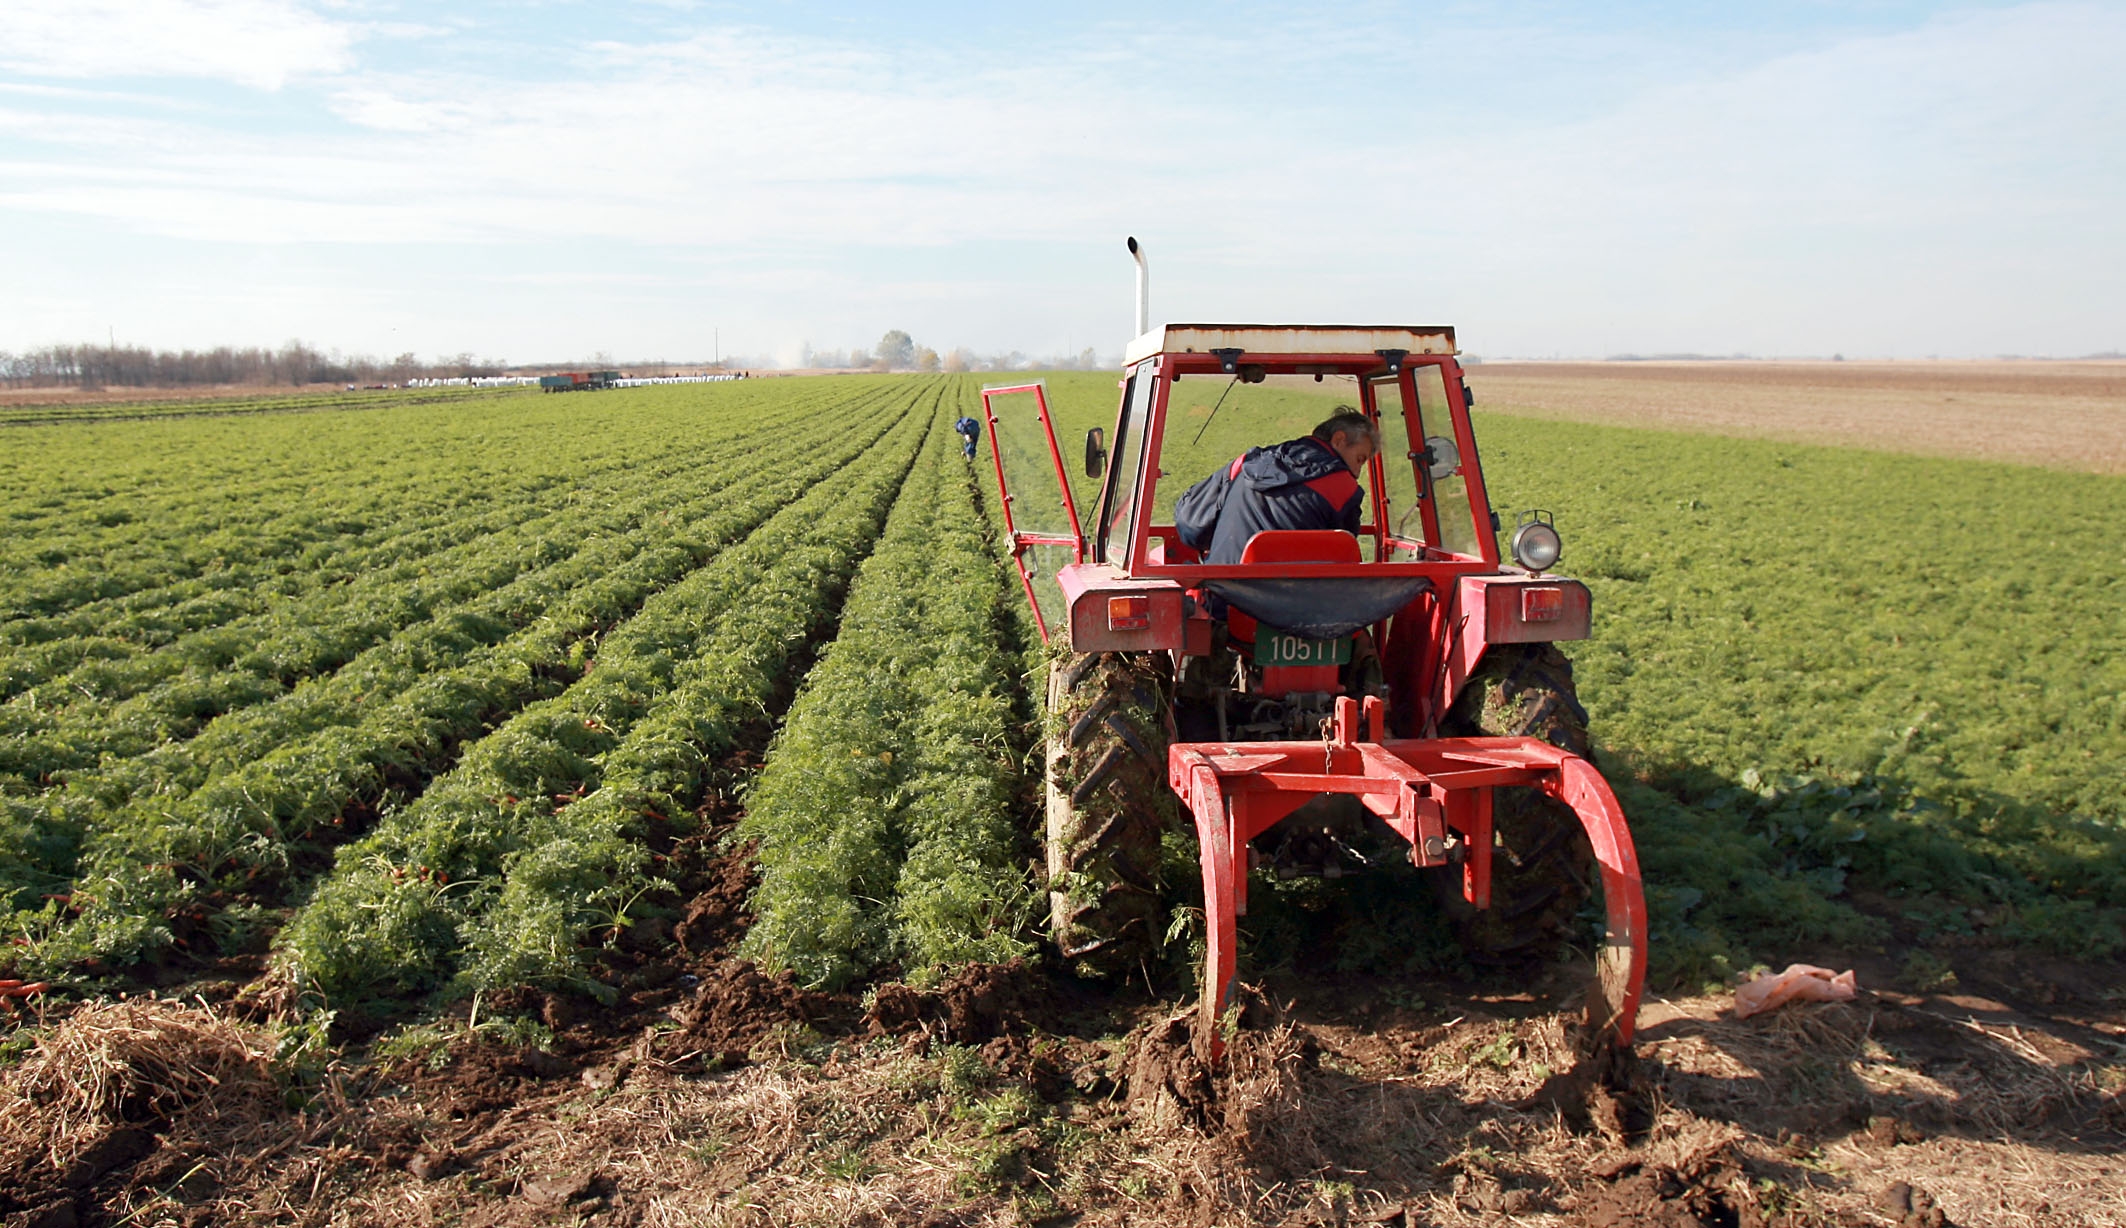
570,381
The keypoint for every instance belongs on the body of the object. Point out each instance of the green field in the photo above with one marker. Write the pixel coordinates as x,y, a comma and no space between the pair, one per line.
418,698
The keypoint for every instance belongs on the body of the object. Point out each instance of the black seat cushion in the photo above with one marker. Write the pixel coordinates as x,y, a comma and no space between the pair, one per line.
1319,609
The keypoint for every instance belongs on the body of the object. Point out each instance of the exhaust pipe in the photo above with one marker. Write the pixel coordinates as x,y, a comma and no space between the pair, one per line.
1144,288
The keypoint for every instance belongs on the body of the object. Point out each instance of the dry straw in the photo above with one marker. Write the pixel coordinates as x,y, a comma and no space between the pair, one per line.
113,1064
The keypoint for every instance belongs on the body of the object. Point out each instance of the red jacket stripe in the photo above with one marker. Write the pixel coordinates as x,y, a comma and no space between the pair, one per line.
1339,488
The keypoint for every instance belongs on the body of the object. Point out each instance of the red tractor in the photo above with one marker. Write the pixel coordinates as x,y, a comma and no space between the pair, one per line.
1401,681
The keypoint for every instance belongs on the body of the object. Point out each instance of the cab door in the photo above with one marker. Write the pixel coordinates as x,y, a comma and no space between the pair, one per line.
1040,510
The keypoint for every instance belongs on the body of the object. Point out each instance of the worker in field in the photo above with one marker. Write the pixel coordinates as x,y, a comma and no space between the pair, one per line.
968,429
1308,483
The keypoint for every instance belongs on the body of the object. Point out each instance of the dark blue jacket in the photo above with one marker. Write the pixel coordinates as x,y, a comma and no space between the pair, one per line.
1301,484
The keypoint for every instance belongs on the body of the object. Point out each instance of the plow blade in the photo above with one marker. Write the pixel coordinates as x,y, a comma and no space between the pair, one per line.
1436,794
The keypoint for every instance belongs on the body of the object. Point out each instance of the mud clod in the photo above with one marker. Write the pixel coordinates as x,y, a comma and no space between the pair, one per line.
561,1011
736,1007
429,1165
1707,1190
59,1214
1250,1098
484,1078
1166,1075
975,1004
717,917
559,1190
1893,1131
1040,1063
1606,1092
1911,1206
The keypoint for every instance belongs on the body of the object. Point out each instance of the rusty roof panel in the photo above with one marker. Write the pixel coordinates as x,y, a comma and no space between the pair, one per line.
1291,339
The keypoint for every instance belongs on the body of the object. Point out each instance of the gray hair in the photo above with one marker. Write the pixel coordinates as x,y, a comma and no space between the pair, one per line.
1349,423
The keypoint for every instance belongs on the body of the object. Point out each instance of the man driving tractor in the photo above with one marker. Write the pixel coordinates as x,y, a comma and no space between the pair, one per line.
1312,705
1305,483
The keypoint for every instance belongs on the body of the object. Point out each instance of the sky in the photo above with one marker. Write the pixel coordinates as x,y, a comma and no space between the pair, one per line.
551,180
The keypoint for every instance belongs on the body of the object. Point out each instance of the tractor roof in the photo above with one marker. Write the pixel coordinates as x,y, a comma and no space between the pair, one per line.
1290,339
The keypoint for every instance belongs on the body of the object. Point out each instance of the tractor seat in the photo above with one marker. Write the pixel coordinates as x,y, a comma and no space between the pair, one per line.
1323,608
1301,546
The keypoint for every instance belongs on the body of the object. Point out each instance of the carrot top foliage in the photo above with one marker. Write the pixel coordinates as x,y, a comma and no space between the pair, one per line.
1842,668
316,641
433,672
885,813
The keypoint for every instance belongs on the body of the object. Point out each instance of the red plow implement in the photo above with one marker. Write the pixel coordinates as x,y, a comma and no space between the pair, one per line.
1436,794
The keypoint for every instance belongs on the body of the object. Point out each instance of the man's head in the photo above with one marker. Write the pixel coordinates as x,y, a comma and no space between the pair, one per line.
1352,436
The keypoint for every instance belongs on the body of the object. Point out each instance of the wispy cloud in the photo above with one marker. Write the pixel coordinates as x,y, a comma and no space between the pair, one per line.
255,43
732,136
1586,190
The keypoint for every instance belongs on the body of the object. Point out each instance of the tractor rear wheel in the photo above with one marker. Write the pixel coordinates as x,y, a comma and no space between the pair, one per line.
1109,724
1542,867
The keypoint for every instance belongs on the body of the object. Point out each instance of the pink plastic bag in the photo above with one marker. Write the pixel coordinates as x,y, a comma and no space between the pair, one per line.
1799,983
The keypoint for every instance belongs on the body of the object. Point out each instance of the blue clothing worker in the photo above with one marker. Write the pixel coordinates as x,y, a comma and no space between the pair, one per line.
968,429
1306,483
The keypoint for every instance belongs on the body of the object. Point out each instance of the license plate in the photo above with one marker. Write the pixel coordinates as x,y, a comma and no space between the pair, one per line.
1279,648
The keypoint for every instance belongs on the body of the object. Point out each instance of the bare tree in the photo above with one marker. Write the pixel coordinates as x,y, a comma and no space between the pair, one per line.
296,362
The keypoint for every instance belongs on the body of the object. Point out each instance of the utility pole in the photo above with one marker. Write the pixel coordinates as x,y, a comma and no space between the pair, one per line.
716,347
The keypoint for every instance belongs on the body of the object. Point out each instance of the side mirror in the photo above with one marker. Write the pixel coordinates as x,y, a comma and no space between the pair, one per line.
1095,452
1442,457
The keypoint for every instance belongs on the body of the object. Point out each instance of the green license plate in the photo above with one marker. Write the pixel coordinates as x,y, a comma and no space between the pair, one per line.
1279,648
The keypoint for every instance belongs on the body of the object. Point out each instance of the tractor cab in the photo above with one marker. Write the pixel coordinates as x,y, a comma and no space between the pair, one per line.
1315,613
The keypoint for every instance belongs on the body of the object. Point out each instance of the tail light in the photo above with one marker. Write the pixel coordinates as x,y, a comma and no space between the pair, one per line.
1129,613
1542,605
1516,611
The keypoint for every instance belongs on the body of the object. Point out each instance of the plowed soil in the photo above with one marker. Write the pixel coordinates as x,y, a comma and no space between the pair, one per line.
710,1092
2068,415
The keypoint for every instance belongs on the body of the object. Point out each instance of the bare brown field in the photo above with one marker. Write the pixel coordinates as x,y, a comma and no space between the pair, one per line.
2066,415
40,397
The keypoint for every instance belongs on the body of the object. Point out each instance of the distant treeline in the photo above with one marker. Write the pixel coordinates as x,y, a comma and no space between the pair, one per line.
897,351
131,366
296,364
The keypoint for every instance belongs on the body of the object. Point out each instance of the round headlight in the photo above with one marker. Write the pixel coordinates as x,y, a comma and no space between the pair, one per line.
1536,545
